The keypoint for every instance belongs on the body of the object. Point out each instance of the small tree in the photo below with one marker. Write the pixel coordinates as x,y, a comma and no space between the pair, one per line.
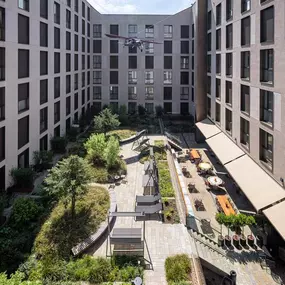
159,111
123,115
250,221
141,110
68,180
228,222
106,121
112,151
220,218
95,147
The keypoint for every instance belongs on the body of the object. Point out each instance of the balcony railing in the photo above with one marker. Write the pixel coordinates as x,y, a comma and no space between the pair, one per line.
133,80
149,96
184,97
97,96
114,96
133,96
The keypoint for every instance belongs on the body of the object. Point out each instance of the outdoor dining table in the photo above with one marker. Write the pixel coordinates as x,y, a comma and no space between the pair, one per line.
205,166
215,181
194,154
225,205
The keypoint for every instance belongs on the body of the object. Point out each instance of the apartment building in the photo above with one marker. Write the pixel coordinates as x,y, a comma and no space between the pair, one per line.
56,63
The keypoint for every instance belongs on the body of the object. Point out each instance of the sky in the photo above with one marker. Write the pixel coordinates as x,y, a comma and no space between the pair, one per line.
140,6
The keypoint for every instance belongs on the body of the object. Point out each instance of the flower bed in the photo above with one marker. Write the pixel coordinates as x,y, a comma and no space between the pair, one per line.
170,212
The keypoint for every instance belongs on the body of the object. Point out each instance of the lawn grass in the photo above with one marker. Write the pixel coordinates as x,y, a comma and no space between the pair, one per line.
122,134
159,152
58,234
165,183
178,269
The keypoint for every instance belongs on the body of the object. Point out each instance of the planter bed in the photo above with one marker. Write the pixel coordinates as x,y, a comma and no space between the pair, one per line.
170,213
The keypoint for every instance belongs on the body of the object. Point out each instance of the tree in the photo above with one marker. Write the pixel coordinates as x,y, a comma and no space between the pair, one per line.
141,110
220,218
112,152
123,115
68,180
95,147
228,222
250,221
106,121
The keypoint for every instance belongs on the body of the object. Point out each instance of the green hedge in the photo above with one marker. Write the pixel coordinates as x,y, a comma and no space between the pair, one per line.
165,183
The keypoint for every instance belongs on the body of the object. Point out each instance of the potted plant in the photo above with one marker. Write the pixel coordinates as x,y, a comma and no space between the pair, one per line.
250,222
242,223
220,217
228,223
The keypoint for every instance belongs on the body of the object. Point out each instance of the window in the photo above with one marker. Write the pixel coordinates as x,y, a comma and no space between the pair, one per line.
23,63
97,77
167,106
229,121
43,119
43,63
114,106
83,98
76,23
184,31
132,49
56,87
83,9
83,62
88,94
132,31
184,93
97,46
132,77
245,99
266,148
229,36
68,84
114,29
184,108
2,64
218,89
218,113
56,13
2,24
218,64
229,90
23,131
132,92
192,95
43,91
168,31
76,5
83,79
245,31
209,63
76,62
209,41
149,79
209,20
184,78
56,38
24,4
68,40
56,112
88,30
132,62
267,25
209,84
2,103
149,62
193,46
44,9
97,61
114,46
184,48
209,109
68,3
88,78
266,106
23,97
229,11
167,46
83,27
23,29
97,31
184,62
244,132
193,31
114,77
245,65
43,35
167,77
56,62
75,42
229,64
167,62
149,108
114,92
149,31
114,62
44,143
23,159
218,39
219,14
132,107
167,94
149,93
76,81
245,5
68,19
267,66
88,13
68,62
97,92
149,48
88,46
75,102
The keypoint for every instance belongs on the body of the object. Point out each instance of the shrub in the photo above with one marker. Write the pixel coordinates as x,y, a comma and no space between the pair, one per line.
106,121
95,147
23,177
24,211
141,110
178,268
111,152
72,134
165,184
58,144
158,111
42,160
77,149
100,174
123,115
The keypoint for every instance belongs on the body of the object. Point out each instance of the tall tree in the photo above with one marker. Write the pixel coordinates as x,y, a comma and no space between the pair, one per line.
112,152
68,180
106,121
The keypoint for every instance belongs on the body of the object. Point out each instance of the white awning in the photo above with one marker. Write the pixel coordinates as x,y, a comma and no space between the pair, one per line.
208,128
276,216
260,189
225,149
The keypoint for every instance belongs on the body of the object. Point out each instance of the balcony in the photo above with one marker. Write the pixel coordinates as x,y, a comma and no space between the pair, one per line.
149,81
133,80
133,96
